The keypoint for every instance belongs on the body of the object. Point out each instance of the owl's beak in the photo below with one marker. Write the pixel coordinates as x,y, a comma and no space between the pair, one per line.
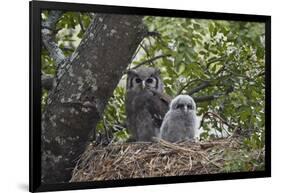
185,108
143,84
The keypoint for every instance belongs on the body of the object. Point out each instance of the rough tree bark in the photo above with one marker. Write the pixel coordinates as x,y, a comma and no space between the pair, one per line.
83,87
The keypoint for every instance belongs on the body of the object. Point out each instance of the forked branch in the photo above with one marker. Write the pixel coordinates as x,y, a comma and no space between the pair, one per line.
48,28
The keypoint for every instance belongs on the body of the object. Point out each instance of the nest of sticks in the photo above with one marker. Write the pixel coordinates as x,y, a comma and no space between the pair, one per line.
157,159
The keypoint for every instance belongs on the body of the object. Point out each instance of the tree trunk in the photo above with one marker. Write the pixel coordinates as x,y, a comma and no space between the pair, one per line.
84,84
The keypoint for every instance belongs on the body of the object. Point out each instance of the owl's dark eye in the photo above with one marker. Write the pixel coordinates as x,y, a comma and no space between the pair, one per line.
138,80
179,106
149,81
189,106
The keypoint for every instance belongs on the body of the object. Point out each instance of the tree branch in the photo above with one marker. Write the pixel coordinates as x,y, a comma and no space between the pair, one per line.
145,49
150,60
48,27
152,34
205,98
47,81
134,56
203,85
186,85
212,97
213,60
211,114
81,24
147,53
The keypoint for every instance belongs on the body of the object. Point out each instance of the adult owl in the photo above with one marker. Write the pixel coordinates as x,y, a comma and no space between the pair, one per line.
146,104
180,123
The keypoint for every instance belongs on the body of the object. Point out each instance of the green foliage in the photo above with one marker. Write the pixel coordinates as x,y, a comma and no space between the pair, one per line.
244,159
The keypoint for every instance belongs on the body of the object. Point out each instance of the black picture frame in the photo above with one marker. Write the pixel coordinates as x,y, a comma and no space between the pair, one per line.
35,94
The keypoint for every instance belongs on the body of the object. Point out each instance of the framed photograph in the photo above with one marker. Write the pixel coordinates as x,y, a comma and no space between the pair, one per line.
125,96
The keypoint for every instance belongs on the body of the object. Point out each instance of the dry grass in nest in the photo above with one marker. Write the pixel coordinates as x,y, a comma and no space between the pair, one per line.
139,160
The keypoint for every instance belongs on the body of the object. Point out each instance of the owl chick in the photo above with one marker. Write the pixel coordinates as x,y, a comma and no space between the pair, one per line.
180,122
146,104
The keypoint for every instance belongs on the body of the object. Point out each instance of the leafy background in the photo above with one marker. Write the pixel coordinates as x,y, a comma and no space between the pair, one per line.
228,57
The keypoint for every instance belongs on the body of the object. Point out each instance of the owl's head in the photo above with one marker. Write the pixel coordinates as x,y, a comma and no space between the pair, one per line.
183,104
144,78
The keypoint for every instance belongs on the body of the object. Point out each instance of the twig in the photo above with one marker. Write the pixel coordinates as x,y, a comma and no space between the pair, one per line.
145,49
215,60
186,85
176,147
133,57
205,84
206,98
220,70
211,144
152,34
47,81
212,97
202,86
151,60
81,24
106,130
147,53
211,114
190,162
48,28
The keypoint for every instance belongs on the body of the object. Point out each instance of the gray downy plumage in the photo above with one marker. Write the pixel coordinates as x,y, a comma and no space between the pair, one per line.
180,123
145,103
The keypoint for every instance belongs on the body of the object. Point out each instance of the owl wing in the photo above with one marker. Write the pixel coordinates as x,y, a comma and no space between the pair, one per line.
139,113
164,126
158,107
145,110
131,114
